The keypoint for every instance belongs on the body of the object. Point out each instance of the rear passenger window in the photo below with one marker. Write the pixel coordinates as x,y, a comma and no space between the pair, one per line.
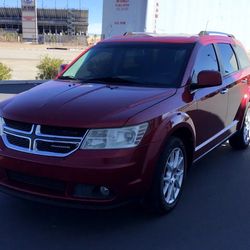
228,58
206,60
242,57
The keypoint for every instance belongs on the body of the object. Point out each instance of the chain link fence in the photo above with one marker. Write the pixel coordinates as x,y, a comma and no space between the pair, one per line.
9,36
54,39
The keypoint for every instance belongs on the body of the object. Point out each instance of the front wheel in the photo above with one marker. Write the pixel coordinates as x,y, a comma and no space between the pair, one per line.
169,177
241,139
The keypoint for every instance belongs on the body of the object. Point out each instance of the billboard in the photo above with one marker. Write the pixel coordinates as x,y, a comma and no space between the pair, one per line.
29,20
120,16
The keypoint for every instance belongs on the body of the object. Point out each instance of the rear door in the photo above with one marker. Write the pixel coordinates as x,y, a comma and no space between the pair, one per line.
235,64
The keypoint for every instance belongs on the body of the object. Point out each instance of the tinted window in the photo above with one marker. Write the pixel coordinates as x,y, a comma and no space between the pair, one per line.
206,60
228,58
154,64
242,56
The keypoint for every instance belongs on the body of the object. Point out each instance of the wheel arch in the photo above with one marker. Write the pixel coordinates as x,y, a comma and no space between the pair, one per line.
179,125
240,116
186,136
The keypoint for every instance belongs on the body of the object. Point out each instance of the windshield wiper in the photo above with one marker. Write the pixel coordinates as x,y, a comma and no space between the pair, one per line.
111,79
106,80
68,78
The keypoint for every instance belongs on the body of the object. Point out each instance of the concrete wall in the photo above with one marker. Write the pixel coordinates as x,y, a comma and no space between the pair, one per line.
11,88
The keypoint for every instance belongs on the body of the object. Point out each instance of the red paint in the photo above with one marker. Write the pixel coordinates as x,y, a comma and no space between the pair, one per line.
128,172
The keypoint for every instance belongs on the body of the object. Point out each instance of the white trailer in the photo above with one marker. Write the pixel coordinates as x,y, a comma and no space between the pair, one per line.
177,16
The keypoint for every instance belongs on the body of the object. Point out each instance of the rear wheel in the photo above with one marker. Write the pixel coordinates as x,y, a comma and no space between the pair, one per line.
241,139
169,177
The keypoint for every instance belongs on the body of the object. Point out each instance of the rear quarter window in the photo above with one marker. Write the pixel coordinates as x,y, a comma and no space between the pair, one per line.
228,58
242,57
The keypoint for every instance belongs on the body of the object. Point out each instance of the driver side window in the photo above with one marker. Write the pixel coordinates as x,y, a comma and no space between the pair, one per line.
205,60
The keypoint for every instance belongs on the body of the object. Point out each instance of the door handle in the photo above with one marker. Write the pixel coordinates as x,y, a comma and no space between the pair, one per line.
224,91
244,81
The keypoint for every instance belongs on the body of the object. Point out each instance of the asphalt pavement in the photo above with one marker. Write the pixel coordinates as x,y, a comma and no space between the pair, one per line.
213,214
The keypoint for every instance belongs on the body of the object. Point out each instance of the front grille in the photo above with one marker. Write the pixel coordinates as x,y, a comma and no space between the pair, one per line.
60,131
18,141
18,125
40,182
58,147
42,140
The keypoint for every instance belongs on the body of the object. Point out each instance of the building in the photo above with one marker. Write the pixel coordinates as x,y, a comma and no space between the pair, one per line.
53,21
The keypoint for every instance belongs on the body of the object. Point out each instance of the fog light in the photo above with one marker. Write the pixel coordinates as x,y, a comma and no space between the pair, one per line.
104,191
91,191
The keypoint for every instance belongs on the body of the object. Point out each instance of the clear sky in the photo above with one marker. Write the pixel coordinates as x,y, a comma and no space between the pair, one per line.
94,7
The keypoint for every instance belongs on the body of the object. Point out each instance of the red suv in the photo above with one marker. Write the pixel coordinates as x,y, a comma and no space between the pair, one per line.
126,120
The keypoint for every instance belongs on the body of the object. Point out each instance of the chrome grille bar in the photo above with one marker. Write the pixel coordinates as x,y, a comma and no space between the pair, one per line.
40,143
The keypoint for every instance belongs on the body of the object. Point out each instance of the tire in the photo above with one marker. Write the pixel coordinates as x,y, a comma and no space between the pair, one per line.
241,139
169,178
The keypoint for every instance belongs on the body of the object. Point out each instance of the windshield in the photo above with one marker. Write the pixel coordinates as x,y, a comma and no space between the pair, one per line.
150,64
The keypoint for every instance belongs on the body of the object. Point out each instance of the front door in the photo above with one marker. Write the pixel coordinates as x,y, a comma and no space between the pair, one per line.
211,103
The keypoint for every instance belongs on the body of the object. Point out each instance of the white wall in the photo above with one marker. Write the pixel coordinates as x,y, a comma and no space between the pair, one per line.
192,16
179,16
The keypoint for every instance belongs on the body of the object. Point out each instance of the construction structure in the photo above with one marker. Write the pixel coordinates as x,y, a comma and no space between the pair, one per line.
57,21
70,22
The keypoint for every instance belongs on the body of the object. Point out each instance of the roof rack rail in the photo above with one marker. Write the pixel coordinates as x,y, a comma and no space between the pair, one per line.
138,34
204,33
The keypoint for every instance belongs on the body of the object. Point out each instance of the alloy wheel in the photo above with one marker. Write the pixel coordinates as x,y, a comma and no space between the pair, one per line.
173,176
246,130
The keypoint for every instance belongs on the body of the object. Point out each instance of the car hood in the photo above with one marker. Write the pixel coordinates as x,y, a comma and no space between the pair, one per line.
61,103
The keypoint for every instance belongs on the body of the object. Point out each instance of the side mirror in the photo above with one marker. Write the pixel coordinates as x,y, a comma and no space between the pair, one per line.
208,78
62,67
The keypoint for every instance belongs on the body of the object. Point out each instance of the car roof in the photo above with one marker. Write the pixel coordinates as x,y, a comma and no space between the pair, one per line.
154,38
168,38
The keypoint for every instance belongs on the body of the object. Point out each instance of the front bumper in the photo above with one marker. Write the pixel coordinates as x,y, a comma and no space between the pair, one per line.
62,203
124,172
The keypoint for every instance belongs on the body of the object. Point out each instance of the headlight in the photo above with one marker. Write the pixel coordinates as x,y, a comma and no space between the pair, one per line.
114,138
1,126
